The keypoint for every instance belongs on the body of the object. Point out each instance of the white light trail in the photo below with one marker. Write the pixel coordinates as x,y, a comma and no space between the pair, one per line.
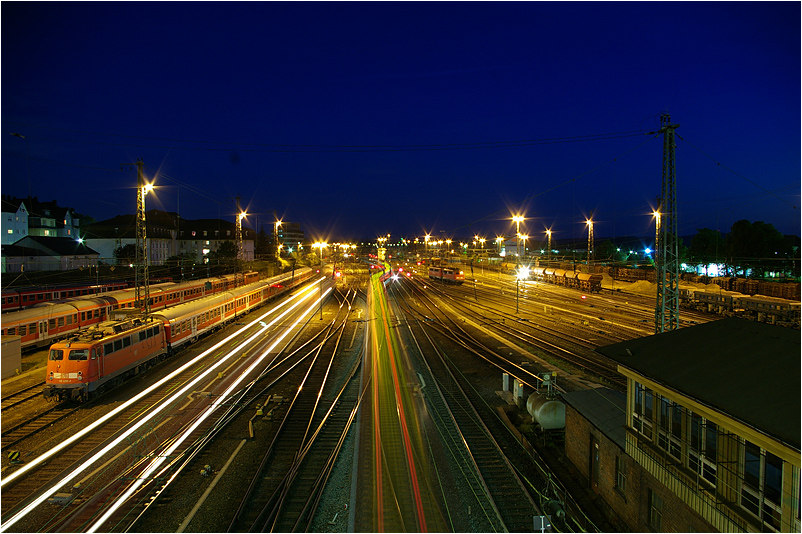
158,461
302,296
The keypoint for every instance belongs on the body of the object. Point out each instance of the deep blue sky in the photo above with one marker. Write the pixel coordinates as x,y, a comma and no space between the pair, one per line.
284,104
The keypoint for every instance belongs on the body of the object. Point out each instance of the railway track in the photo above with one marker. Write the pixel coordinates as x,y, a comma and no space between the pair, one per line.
16,398
451,343
528,335
111,431
269,487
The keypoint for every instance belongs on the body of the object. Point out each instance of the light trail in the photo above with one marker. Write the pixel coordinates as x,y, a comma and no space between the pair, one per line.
302,296
157,462
402,413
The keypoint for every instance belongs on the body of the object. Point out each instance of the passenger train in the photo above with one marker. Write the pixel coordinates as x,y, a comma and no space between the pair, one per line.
44,323
24,297
101,357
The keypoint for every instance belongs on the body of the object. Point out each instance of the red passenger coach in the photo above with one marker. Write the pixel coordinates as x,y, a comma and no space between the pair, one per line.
449,275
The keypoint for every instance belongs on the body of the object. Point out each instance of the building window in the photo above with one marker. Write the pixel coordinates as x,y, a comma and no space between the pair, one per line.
193,233
10,231
702,448
620,475
655,510
669,436
47,232
761,488
228,232
643,415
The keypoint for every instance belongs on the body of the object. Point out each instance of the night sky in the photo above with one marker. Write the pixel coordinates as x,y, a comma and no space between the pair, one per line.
361,119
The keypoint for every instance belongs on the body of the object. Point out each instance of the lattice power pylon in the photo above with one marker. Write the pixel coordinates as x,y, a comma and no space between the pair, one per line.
142,289
666,313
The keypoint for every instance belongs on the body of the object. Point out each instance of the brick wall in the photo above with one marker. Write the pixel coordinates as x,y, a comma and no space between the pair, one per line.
628,509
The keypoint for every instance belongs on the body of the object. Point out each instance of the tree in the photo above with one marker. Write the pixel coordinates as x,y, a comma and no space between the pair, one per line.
182,266
754,245
125,255
707,247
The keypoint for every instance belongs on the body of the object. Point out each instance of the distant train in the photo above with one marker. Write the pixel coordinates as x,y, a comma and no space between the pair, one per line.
449,275
760,308
103,356
46,322
590,283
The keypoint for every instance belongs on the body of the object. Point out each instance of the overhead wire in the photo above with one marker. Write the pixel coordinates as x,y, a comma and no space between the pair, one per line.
739,175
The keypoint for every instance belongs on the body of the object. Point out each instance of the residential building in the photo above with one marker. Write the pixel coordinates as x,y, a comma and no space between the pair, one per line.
14,220
202,236
290,236
117,232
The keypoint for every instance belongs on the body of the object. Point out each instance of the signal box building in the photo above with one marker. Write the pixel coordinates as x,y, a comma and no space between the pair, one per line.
711,431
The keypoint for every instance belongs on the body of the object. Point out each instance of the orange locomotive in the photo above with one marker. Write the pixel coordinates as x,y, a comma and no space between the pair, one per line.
101,357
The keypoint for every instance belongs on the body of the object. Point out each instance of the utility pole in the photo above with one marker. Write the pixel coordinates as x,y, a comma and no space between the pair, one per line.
238,232
666,313
141,282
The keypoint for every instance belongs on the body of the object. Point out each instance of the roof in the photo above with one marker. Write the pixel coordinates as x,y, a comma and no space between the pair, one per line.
17,251
746,370
604,408
54,246
10,204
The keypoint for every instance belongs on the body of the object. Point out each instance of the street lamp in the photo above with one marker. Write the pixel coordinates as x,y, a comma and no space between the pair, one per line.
518,219
656,215
524,237
589,222
278,246
548,234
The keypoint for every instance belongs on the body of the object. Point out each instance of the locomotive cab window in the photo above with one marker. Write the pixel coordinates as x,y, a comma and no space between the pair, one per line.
82,354
56,354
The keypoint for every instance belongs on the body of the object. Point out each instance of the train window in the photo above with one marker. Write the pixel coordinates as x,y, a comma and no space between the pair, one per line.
48,296
21,330
92,354
97,314
51,323
118,344
69,319
61,321
127,341
83,316
56,354
32,328
12,331
81,354
108,348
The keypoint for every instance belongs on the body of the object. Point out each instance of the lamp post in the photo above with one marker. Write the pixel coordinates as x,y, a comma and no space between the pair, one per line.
517,219
589,222
548,234
524,237
278,245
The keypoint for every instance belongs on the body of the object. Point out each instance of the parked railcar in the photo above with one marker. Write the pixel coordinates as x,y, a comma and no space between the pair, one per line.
101,357
14,299
44,323
449,275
